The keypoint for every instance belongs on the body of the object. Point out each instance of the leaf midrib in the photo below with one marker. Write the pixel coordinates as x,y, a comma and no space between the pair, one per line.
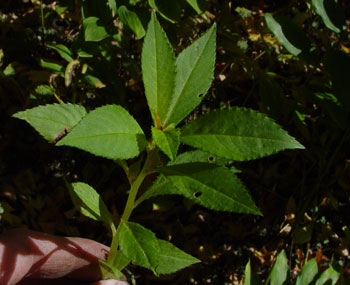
238,136
157,69
178,258
102,135
139,244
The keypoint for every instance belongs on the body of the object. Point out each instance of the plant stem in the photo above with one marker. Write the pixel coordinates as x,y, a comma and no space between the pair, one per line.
129,207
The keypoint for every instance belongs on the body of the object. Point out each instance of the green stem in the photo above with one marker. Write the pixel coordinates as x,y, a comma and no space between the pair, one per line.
129,207
130,204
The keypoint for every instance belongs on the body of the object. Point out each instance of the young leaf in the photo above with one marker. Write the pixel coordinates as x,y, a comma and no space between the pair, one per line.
308,273
278,274
139,244
63,51
194,74
53,121
131,19
288,34
158,70
172,259
331,13
329,277
89,202
108,131
209,185
168,141
169,10
238,134
95,31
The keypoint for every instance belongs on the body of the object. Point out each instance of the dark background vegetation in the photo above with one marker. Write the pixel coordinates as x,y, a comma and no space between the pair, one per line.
303,195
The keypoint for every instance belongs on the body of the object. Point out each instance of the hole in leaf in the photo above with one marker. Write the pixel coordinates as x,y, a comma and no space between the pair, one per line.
197,194
200,95
211,158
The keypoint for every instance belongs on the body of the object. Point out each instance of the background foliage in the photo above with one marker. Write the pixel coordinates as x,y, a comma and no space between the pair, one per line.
87,53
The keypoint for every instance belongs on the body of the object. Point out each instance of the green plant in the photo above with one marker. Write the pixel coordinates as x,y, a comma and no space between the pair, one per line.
174,87
309,273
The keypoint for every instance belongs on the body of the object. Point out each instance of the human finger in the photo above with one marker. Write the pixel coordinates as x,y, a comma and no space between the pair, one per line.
28,254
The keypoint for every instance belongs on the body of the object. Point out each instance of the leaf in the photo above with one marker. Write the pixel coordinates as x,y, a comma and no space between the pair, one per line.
329,277
89,202
331,13
200,156
278,274
94,30
162,186
288,34
109,271
108,131
71,71
250,277
113,5
10,70
132,20
158,70
63,51
172,259
209,185
198,5
121,261
44,90
247,274
139,244
238,134
53,121
52,66
168,141
113,270
308,273
194,74
93,81
243,12
169,10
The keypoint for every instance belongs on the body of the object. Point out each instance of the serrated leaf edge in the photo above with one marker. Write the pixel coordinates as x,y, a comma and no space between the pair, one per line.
263,116
174,101
108,157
